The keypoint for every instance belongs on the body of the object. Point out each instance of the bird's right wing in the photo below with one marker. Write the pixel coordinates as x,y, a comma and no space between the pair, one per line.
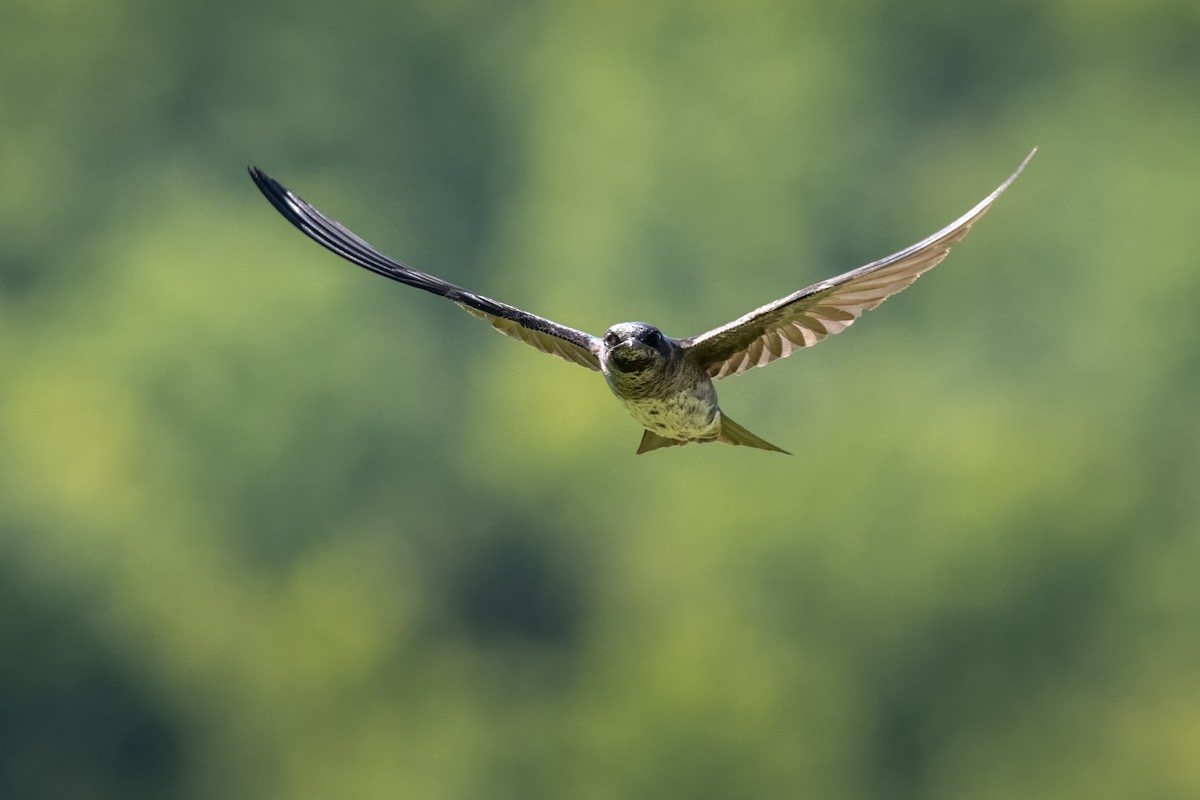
538,332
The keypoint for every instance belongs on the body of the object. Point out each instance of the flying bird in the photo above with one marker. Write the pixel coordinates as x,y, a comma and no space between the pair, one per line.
666,384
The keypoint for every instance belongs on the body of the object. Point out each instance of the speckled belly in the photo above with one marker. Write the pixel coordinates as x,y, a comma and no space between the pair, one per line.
683,416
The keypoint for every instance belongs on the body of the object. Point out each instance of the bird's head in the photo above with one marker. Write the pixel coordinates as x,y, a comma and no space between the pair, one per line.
635,346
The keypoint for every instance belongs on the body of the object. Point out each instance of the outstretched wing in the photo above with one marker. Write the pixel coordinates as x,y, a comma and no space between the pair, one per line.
549,337
777,329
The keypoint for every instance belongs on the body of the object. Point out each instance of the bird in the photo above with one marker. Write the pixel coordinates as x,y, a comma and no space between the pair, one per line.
666,384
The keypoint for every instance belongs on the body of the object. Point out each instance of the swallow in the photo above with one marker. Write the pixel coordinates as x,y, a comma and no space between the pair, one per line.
666,384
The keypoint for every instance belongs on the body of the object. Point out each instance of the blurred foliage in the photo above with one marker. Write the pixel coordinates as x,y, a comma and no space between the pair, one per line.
272,527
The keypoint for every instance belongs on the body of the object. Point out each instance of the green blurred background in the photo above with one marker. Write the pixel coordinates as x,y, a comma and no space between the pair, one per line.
273,527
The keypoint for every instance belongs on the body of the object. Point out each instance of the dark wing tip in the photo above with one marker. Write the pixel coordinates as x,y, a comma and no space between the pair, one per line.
328,232
259,177
273,190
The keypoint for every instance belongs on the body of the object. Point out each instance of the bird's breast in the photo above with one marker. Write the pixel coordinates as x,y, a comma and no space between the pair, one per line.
682,416
675,403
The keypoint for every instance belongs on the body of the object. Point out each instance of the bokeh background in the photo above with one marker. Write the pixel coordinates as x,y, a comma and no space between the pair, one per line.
273,527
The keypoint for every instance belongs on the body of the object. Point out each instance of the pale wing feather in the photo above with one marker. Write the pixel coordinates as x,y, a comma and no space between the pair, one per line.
804,318
547,343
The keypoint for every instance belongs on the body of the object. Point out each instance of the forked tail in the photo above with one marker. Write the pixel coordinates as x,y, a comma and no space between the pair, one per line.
731,433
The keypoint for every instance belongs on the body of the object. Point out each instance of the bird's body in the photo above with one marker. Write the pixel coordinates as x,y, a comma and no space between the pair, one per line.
666,384
668,393
650,374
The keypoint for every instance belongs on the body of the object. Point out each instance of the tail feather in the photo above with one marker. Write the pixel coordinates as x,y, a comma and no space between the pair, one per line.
732,433
652,441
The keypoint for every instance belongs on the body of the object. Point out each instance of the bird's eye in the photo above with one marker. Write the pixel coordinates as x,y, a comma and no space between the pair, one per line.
611,338
654,338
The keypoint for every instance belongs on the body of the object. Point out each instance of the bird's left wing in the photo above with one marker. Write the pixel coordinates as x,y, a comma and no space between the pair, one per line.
538,332
777,329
